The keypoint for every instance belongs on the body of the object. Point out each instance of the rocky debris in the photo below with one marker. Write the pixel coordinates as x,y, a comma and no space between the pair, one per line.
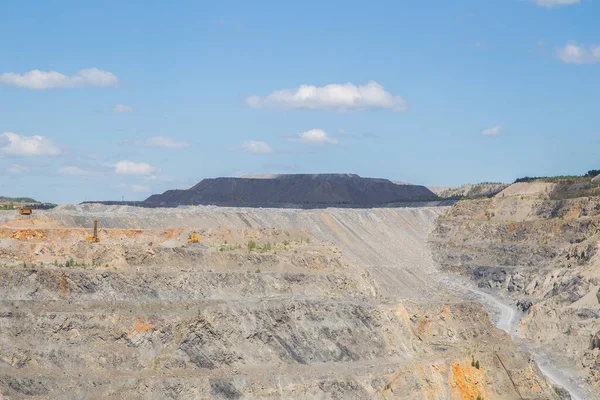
470,191
540,252
524,304
580,256
563,394
595,342
320,190
528,189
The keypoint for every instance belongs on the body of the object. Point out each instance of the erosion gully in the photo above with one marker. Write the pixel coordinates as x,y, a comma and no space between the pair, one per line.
506,317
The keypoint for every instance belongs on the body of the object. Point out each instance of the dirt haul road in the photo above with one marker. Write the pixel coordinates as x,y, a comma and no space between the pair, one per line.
336,303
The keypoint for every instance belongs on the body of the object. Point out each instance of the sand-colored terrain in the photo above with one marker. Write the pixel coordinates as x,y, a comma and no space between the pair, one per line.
335,303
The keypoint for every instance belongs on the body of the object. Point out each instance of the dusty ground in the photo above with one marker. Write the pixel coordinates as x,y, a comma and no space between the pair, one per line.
335,303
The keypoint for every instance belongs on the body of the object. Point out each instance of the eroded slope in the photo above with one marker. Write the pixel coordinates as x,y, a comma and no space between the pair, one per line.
541,252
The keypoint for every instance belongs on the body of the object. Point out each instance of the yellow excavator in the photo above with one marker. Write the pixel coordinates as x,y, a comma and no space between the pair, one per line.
94,238
194,237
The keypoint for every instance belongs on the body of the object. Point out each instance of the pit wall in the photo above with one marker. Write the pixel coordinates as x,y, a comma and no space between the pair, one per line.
543,254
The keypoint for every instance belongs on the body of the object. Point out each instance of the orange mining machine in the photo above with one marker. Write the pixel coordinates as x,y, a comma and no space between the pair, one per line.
94,238
25,210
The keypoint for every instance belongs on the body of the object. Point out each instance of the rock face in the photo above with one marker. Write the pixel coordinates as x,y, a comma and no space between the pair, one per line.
320,190
311,304
541,252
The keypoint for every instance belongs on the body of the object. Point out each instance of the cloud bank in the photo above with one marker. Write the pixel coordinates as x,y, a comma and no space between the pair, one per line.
132,168
39,80
577,54
12,144
493,131
314,136
332,97
253,146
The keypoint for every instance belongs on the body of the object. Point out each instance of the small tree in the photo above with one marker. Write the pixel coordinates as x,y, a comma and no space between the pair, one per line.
477,364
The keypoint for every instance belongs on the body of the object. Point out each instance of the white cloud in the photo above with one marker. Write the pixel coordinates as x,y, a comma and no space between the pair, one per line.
493,131
573,53
122,109
132,168
336,97
162,178
162,141
18,169
253,146
140,188
316,136
71,170
38,80
554,3
13,144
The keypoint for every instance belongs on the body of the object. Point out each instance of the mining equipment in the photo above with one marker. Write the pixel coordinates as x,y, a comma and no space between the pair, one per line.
25,210
94,237
194,237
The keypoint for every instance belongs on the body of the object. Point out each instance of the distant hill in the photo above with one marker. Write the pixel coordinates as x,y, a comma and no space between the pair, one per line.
304,190
17,200
12,203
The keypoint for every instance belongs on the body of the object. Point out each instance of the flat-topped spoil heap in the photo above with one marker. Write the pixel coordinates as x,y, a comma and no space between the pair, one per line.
302,190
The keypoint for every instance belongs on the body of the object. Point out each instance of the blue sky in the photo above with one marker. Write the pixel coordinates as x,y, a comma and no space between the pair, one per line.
133,98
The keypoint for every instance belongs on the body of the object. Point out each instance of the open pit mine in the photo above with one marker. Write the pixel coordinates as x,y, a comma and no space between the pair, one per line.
357,295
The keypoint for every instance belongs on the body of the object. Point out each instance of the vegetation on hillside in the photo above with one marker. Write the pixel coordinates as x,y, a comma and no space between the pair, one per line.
17,200
561,178
569,186
14,203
